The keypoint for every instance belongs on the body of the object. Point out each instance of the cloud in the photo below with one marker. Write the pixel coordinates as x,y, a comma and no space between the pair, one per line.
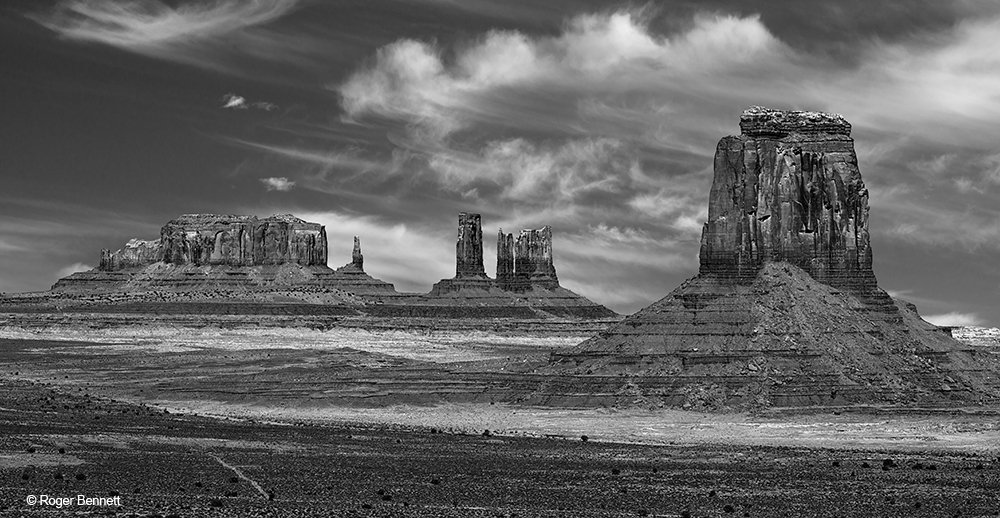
73,268
233,101
954,319
612,53
236,102
6,247
189,32
278,183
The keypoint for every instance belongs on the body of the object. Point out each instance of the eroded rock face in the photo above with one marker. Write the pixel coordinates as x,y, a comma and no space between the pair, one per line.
505,260
357,260
526,263
533,258
213,239
789,189
135,253
469,246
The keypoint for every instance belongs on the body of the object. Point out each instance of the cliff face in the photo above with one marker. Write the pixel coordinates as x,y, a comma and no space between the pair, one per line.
527,262
211,239
469,246
533,258
135,253
505,259
789,189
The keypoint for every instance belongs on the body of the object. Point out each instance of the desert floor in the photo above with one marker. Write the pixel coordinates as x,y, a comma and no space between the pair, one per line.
347,422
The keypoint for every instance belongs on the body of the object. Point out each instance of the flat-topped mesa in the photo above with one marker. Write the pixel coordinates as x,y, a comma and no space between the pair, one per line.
135,253
469,247
789,189
216,239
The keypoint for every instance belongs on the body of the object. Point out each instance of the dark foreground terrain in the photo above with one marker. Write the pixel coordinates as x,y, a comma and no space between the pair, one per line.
55,441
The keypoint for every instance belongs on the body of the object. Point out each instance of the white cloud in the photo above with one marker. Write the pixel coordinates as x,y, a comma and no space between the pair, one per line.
597,53
233,101
237,102
278,183
160,29
533,173
73,268
954,319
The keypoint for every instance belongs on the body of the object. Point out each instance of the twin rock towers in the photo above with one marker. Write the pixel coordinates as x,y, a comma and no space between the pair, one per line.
523,263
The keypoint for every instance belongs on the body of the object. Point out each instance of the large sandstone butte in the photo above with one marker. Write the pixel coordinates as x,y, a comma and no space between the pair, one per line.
785,309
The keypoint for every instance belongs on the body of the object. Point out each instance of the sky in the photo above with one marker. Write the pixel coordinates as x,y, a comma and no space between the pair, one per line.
385,119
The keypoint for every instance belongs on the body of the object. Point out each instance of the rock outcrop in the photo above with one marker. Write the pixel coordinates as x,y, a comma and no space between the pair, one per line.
469,247
785,310
213,239
135,253
789,189
526,263
505,260
533,258
357,260
469,270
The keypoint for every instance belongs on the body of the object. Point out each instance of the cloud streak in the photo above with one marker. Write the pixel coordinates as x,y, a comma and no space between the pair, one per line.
189,33
278,184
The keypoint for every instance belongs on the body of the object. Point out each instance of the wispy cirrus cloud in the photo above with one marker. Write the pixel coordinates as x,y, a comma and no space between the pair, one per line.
231,101
194,33
279,183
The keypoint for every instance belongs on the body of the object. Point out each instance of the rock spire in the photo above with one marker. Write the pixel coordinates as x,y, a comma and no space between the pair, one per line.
469,246
357,260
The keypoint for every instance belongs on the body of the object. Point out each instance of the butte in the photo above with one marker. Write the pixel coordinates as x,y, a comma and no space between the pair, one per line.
786,310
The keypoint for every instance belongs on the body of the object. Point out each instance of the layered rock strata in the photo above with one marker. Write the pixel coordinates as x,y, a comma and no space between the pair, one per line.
786,309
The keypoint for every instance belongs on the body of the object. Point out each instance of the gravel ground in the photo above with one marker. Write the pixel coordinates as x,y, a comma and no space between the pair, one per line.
54,442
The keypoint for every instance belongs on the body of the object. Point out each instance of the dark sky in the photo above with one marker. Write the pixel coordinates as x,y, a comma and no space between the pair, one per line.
385,119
